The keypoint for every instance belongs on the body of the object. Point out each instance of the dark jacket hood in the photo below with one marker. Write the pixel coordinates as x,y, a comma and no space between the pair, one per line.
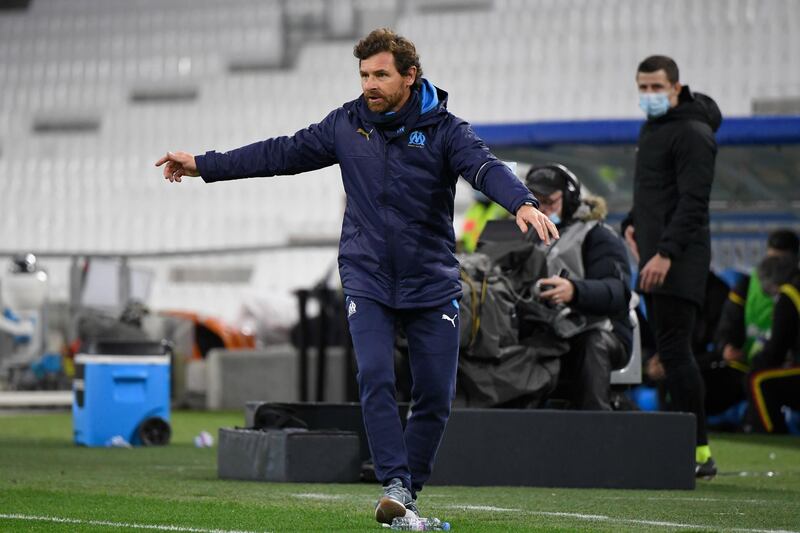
695,106
433,101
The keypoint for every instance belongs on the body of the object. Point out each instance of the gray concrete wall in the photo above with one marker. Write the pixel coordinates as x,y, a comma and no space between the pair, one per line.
236,377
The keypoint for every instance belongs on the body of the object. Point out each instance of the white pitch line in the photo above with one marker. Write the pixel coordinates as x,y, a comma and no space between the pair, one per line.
492,509
484,508
604,518
317,496
592,517
690,499
130,525
698,526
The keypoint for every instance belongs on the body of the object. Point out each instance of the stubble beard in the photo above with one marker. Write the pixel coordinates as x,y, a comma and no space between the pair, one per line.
387,104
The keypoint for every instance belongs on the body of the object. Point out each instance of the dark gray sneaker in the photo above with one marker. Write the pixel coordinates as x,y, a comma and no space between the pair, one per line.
394,502
705,470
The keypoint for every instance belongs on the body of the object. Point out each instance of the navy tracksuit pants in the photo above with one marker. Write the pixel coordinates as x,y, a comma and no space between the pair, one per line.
433,335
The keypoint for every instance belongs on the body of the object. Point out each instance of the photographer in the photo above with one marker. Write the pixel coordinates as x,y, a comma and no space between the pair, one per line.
594,280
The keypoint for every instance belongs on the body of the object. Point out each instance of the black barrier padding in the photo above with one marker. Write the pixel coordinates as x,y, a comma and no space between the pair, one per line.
581,449
288,455
543,448
337,416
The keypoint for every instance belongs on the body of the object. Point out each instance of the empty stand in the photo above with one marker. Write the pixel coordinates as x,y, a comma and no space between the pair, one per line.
95,189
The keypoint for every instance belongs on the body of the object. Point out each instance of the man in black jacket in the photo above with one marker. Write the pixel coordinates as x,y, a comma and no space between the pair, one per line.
595,281
668,226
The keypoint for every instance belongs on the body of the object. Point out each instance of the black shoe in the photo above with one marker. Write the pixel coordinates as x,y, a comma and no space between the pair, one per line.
705,470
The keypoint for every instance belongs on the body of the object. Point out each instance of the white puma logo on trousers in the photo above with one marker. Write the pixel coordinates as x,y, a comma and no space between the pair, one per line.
452,320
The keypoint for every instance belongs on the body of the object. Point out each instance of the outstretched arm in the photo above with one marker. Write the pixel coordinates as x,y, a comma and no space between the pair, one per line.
470,158
308,149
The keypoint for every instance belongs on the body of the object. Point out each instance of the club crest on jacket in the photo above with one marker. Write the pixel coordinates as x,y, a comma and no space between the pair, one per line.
417,138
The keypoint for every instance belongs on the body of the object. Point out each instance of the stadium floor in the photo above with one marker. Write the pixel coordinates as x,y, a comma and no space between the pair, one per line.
48,484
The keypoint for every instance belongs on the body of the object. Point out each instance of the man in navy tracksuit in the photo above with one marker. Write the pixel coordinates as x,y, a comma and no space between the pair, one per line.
400,153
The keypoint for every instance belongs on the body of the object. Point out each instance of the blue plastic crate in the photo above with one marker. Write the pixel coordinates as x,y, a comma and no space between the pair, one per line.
115,393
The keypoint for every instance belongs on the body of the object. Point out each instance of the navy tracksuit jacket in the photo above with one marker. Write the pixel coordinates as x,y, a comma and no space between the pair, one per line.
397,251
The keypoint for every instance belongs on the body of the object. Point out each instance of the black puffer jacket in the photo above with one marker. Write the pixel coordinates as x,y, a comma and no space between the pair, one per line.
674,172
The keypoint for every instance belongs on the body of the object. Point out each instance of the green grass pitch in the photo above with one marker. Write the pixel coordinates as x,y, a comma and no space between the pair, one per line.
48,484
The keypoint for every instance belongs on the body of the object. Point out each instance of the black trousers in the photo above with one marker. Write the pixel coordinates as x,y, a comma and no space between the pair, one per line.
587,369
672,320
725,387
770,390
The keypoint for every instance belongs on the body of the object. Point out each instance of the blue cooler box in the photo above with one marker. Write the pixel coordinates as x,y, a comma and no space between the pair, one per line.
122,388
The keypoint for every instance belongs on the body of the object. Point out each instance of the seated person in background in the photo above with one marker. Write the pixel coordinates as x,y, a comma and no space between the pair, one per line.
479,213
724,385
744,326
598,283
747,314
775,369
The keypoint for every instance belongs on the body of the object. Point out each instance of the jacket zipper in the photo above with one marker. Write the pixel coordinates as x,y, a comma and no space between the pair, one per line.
386,232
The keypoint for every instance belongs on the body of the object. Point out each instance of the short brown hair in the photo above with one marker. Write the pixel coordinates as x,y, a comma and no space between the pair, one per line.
386,40
656,63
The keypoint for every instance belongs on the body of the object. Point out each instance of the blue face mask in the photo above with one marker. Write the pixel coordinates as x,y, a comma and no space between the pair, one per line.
554,218
654,104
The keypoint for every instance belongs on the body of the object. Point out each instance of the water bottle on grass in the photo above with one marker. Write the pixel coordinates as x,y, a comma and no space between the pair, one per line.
412,523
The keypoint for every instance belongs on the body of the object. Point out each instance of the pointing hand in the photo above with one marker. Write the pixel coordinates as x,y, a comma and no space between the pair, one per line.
178,164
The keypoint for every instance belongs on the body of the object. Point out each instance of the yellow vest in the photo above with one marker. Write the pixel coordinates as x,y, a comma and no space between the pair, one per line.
475,220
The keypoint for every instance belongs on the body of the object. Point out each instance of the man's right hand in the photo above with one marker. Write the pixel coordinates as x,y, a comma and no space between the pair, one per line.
732,353
178,164
655,369
630,238
527,214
